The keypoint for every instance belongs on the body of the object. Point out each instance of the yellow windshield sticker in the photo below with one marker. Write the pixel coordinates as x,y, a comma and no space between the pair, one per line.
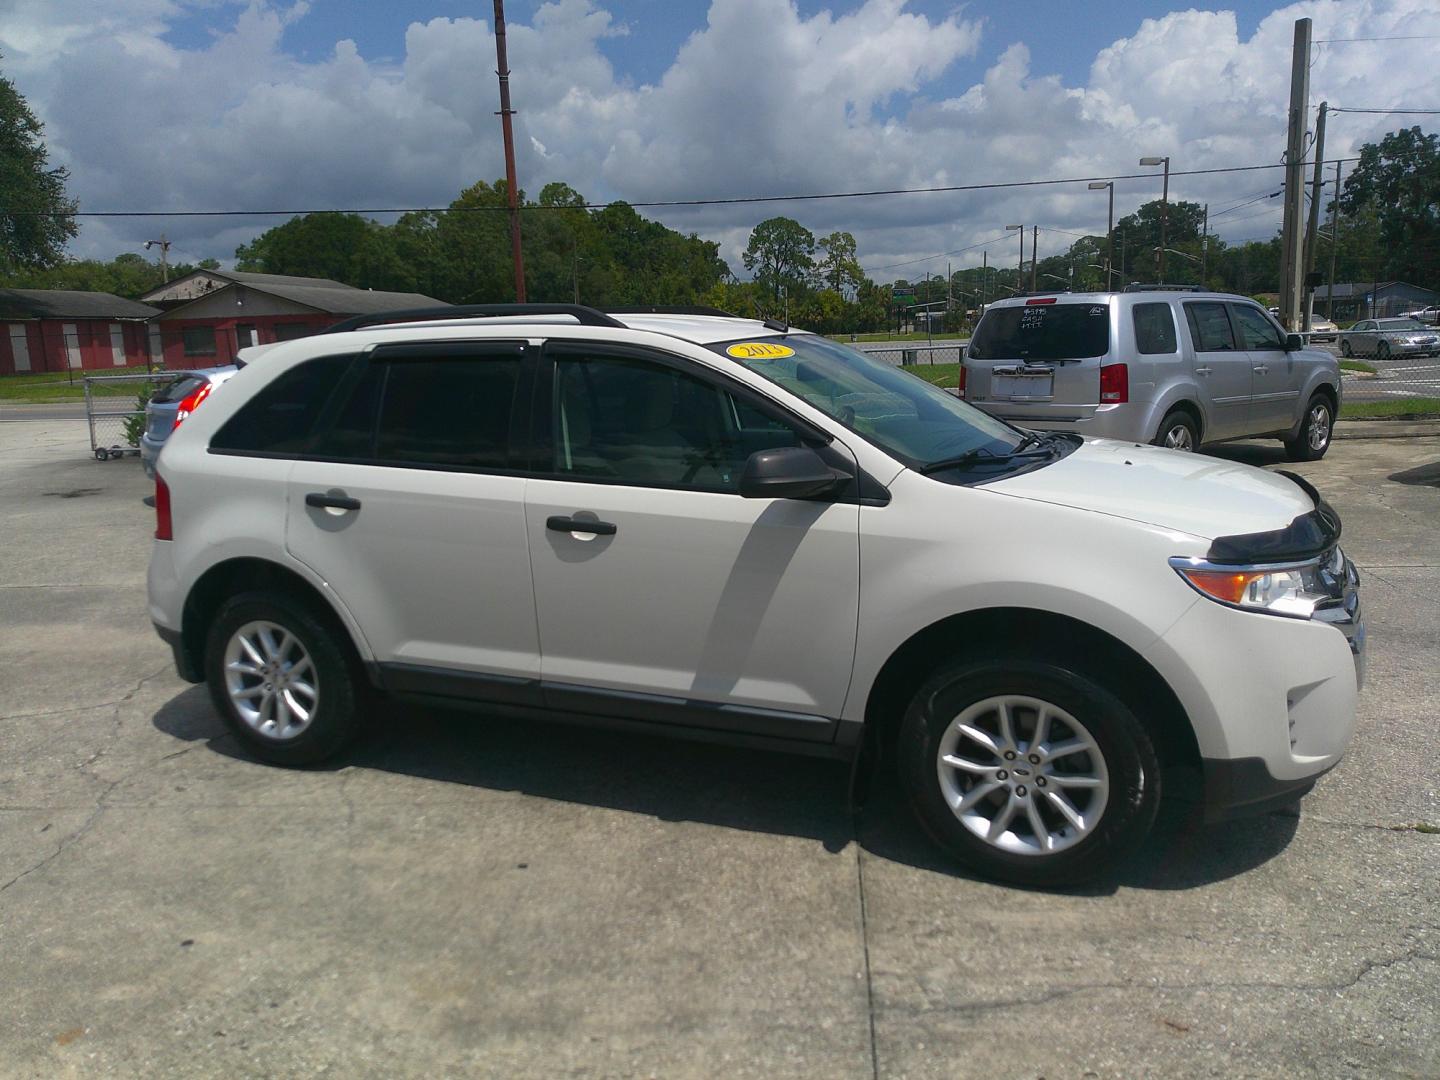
759,350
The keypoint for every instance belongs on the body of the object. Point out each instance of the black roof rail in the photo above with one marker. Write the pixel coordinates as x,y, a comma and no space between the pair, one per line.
1135,286
660,309
585,316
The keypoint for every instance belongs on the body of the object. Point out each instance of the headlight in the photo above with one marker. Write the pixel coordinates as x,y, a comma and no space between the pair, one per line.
1293,589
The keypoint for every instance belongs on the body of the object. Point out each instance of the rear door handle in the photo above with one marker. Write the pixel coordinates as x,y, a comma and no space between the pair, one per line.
334,502
1202,371
580,525
1261,369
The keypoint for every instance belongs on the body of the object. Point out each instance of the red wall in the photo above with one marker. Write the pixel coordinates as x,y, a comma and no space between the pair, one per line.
173,336
48,351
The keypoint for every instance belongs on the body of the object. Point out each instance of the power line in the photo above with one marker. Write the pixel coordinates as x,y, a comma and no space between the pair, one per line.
932,258
1347,40
1247,202
1388,112
653,204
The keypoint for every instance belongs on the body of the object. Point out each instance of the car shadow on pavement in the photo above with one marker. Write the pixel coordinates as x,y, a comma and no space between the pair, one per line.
677,780
1250,453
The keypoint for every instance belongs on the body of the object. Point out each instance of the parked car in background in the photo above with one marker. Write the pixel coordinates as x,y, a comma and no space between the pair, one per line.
1384,338
171,403
1429,315
1323,329
1170,367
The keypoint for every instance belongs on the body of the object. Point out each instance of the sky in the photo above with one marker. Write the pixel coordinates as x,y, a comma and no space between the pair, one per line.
173,105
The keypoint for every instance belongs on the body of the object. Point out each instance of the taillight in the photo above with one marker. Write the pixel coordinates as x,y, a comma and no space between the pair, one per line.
191,401
962,380
163,528
1114,384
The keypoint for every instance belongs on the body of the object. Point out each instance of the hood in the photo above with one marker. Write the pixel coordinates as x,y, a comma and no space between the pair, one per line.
1191,493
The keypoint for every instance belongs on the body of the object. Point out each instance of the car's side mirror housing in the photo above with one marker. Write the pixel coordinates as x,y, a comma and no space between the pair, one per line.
788,472
1294,341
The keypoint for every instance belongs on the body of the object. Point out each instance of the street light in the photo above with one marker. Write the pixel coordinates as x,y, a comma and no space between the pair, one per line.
1019,270
1164,213
1057,277
1097,185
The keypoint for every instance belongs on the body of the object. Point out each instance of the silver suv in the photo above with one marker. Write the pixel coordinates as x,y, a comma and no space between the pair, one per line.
731,530
1171,367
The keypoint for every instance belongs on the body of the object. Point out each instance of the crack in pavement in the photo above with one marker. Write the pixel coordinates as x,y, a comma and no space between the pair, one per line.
129,694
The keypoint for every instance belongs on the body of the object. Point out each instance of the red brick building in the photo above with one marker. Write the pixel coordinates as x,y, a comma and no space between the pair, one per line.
56,329
209,315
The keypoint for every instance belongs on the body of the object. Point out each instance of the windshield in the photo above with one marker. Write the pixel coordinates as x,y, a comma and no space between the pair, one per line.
1402,324
904,415
1047,331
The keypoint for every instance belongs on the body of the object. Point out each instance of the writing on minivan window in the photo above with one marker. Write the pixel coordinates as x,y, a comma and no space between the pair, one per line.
1049,332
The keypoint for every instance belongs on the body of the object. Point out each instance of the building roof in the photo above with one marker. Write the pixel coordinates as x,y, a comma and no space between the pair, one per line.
245,277
1347,289
333,299
69,304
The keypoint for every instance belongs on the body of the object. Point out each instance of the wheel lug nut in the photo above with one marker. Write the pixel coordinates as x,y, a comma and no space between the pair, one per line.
1009,755
1034,759
1020,791
1039,781
1002,775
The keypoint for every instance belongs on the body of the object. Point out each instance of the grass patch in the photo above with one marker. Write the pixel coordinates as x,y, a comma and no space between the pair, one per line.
1427,408
947,375
1357,365
60,387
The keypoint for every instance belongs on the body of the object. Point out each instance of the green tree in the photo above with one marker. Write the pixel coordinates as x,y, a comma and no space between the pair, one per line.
37,218
781,256
838,267
1398,182
1141,232
314,245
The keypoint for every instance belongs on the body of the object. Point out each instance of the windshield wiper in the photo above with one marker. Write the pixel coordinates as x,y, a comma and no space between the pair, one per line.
986,457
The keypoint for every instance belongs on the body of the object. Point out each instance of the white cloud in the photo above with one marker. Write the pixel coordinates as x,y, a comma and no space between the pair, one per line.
834,101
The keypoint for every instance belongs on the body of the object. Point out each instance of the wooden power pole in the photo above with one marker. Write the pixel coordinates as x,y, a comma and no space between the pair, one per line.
1292,236
516,256
1312,229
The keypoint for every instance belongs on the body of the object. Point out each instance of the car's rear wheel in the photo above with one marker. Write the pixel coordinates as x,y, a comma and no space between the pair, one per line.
1178,431
1382,351
1028,771
283,681
1345,350
1315,432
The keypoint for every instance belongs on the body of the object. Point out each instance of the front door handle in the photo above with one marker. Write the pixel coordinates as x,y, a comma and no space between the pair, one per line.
1261,369
1202,371
580,525
325,500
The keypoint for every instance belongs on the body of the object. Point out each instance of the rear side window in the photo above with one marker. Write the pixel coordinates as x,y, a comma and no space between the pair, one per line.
178,390
1154,328
448,412
282,418
1043,332
1210,327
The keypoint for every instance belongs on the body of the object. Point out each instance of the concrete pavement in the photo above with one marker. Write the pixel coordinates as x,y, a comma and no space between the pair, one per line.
470,896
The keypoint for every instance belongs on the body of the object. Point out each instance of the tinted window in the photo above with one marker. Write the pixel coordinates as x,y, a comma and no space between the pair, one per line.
1043,332
178,390
632,421
1154,328
348,429
282,417
1257,331
448,412
1210,327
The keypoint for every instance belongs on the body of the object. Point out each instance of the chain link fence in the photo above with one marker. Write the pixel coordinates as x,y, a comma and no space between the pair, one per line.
115,410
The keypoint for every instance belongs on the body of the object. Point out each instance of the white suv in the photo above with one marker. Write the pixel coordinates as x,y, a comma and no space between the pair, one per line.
732,530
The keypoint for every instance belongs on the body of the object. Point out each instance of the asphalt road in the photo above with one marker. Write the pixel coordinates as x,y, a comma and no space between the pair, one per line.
464,896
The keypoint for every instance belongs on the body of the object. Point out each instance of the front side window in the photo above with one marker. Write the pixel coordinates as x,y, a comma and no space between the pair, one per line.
627,420
1053,331
1257,331
1210,327
1154,329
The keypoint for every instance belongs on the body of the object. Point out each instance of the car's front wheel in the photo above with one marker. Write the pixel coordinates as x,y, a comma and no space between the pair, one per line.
1028,771
1315,432
282,679
1345,350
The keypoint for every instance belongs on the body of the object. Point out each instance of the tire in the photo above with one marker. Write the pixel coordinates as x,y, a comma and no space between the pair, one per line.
1345,350
1382,351
1118,756
1178,431
322,708
1315,431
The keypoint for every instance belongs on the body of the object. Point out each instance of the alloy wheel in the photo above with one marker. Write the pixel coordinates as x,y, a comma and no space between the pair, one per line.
1023,775
271,680
1179,438
1319,427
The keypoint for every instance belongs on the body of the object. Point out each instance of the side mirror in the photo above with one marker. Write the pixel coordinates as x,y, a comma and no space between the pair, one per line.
1293,342
790,472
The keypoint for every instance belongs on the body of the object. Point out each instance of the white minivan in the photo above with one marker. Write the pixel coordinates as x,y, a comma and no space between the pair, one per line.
726,529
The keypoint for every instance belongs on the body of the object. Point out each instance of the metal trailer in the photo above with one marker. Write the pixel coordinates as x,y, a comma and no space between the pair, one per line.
108,411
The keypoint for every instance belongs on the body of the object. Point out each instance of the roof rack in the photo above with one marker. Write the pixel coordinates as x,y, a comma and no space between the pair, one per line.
585,316
1135,286
649,309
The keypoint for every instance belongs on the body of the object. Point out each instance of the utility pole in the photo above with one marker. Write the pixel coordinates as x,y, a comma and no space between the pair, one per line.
984,276
503,71
1334,246
1292,242
164,246
1312,235
1204,244
1034,242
